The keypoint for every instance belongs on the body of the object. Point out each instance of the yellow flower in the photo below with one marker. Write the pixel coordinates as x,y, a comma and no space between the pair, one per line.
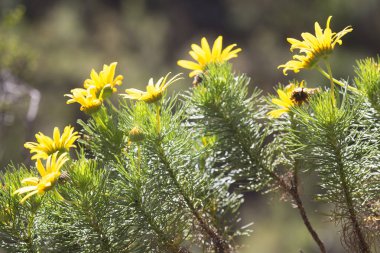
104,82
88,100
284,100
45,146
203,55
313,48
49,176
153,91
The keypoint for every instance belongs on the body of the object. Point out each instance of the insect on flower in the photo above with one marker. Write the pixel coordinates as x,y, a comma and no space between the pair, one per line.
300,95
197,79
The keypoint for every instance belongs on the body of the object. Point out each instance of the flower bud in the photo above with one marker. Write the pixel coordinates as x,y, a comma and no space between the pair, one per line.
136,135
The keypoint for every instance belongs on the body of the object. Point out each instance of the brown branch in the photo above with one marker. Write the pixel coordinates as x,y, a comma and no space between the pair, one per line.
220,244
294,193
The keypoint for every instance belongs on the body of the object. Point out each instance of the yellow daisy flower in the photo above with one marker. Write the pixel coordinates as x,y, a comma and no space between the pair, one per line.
45,146
88,100
285,100
313,48
203,55
104,82
49,176
153,91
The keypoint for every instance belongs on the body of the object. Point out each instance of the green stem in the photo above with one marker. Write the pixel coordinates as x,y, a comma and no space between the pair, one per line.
98,119
92,219
294,192
158,118
353,89
167,243
332,88
29,238
291,190
112,106
138,158
363,245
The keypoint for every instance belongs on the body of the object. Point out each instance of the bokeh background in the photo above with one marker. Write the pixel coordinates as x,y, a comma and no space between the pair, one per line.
49,47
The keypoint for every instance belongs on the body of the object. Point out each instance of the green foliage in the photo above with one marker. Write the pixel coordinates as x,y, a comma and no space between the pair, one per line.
171,153
166,176
223,108
103,138
17,222
368,79
334,142
88,219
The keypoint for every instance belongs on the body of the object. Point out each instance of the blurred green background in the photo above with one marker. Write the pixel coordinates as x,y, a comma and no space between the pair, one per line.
49,47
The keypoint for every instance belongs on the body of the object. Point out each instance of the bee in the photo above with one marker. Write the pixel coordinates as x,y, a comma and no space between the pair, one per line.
64,177
197,79
301,95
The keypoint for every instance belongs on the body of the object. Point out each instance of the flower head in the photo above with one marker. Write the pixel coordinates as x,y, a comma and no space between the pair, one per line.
153,91
88,99
49,176
46,146
203,55
313,47
104,82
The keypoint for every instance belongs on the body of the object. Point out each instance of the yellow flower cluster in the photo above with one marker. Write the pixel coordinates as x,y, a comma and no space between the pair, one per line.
55,152
103,84
203,55
313,47
154,91
46,146
49,176
96,89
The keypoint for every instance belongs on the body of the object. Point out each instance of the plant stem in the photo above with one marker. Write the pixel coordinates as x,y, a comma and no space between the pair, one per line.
332,88
29,239
353,89
363,246
30,229
220,244
296,197
138,158
158,118
112,106
92,219
98,119
161,235
292,191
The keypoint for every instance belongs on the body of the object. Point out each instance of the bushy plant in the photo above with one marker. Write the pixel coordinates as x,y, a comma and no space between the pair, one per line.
154,173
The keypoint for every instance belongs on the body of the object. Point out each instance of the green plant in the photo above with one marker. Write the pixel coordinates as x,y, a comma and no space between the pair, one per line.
154,173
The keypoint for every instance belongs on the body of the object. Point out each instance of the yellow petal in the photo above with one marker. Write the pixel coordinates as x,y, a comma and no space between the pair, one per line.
189,65
206,47
30,180
279,102
40,168
277,113
217,48
25,189
28,196
284,97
